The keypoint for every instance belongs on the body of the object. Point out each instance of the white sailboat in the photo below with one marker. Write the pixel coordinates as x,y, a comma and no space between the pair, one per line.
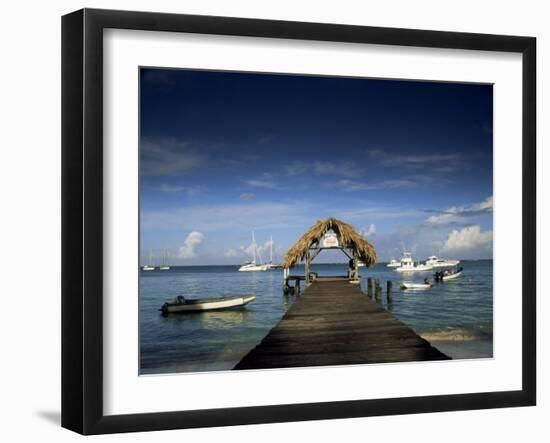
164,266
149,266
408,264
251,266
270,264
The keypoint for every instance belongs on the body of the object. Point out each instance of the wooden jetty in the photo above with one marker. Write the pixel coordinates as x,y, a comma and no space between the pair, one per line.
333,323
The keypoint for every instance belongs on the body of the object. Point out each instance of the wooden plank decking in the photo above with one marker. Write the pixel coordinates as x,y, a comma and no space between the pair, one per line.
334,323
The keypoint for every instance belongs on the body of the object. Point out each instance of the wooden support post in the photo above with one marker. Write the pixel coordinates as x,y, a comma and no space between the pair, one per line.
369,287
308,258
389,286
355,265
377,291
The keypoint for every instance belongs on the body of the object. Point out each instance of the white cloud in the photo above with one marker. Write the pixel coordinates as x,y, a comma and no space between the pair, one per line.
265,248
296,168
241,216
262,251
342,169
455,213
438,162
247,196
265,181
369,231
189,190
267,184
231,253
248,250
190,245
470,239
353,185
485,205
168,157
366,212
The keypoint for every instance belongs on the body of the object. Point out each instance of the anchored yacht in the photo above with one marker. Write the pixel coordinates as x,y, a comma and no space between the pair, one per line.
251,266
149,266
408,264
436,262
164,266
394,263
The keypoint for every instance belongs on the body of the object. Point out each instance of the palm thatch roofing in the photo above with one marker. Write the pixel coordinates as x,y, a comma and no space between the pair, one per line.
347,237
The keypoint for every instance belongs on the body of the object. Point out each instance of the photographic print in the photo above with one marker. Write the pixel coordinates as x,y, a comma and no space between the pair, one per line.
301,220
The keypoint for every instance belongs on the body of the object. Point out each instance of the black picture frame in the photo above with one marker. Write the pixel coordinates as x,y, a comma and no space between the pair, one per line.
82,218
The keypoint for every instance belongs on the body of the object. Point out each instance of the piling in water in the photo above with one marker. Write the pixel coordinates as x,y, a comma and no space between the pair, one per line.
377,291
389,294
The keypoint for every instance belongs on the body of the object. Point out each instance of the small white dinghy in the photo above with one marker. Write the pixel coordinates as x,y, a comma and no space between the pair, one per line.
451,276
415,286
180,304
448,274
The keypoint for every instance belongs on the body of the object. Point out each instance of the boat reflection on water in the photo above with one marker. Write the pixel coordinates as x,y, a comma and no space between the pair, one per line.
214,320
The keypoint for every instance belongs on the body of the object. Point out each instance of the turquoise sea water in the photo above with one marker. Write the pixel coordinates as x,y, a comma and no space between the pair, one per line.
456,316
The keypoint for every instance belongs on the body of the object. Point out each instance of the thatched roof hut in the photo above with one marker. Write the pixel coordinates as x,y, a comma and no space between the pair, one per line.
348,238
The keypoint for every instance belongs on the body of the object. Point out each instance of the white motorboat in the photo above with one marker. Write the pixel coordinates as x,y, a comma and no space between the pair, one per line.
252,266
436,262
415,286
180,304
394,263
408,264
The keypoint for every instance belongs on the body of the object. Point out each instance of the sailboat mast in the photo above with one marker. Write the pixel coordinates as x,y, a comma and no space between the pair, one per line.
271,249
254,246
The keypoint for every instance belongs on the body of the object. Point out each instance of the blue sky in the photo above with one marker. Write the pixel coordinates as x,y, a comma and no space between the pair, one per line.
408,163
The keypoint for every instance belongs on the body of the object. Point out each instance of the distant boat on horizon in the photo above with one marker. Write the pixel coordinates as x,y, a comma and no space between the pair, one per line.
251,266
272,265
149,266
164,266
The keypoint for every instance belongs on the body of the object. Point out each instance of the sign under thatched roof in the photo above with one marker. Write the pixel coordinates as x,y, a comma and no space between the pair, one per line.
347,236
